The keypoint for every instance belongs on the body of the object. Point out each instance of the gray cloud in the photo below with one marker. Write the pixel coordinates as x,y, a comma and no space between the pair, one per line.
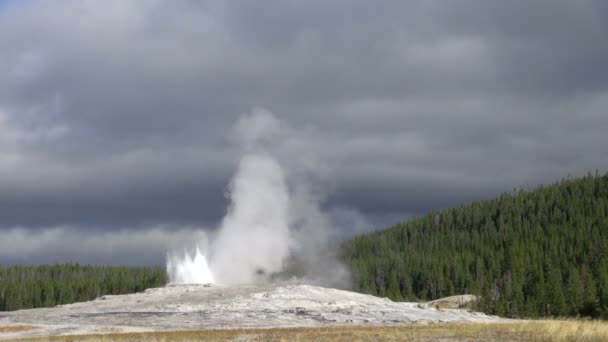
64,243
117,115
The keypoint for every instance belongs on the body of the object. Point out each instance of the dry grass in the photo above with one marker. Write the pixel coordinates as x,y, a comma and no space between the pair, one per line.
15,328
565,330
568,330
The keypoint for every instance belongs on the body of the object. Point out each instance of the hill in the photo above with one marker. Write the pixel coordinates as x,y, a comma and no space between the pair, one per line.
533,253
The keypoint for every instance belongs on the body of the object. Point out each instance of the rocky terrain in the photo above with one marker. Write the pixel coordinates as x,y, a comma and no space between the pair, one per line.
197,307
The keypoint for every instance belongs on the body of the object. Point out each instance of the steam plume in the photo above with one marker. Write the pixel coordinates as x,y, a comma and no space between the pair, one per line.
273,226
254,237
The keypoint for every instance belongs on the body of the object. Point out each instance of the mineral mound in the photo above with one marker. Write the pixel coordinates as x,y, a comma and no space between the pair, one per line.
197,307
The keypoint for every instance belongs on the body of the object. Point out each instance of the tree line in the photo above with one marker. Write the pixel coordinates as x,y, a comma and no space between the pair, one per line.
529,253
25,287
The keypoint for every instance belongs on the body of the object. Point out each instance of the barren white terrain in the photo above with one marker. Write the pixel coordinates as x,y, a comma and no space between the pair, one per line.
197,307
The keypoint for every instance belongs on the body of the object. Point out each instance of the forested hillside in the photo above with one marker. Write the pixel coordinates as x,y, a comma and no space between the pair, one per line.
24,287
528,254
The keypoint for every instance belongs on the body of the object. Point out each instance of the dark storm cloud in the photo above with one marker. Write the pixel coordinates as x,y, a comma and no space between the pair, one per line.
554,48
116,115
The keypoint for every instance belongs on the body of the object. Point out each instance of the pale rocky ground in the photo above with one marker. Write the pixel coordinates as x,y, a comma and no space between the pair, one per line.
197,307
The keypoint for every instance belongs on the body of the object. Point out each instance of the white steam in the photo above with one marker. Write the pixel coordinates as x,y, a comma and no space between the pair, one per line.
254,236
273,226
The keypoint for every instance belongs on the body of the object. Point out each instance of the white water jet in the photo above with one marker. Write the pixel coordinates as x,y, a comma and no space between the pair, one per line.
189,269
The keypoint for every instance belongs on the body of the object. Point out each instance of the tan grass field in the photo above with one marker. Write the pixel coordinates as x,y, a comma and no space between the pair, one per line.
546,330
15,328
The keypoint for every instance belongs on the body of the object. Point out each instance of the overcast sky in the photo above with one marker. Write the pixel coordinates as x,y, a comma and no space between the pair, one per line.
115,115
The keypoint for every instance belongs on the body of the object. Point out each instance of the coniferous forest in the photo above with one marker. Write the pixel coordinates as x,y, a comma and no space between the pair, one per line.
24,287
527,254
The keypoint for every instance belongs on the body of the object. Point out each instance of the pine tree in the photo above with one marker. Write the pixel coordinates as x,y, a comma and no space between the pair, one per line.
575,292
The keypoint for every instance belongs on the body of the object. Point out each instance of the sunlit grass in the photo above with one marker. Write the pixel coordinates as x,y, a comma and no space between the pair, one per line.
14,328
546,330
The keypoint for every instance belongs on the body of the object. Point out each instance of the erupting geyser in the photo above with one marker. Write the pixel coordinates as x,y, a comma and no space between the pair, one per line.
254,234
189,269
266,224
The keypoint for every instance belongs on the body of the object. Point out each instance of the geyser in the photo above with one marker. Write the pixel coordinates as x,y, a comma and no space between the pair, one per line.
254,235
189,269
267,223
